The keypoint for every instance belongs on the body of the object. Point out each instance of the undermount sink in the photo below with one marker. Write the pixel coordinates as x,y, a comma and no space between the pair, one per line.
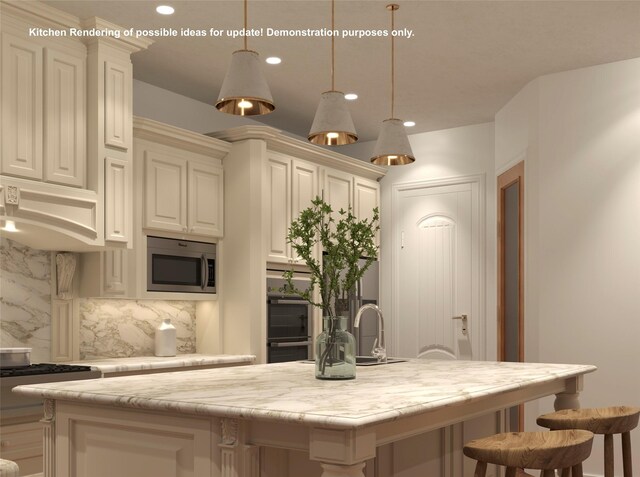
373,361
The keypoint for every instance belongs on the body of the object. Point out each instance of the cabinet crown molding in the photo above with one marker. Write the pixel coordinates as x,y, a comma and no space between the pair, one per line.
277,141
161,133
130,44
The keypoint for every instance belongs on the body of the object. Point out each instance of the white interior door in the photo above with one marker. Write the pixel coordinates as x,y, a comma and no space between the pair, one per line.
438,275
437,264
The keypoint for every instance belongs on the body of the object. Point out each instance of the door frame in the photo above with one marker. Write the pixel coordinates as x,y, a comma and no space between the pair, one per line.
513,175
478,293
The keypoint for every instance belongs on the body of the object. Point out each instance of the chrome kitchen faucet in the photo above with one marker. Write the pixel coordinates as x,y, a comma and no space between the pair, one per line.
378,350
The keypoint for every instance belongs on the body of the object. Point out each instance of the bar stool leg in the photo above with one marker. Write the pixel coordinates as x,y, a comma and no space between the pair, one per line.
576,470
626,454
566,472
608,455
547,473
511,472
481,469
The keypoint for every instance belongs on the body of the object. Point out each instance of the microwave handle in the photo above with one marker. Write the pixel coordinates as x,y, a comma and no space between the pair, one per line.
204,272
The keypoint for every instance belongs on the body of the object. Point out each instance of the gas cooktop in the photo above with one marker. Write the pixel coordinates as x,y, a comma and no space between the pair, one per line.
43,368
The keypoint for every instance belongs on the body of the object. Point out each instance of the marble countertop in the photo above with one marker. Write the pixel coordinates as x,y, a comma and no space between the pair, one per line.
289,392
139,363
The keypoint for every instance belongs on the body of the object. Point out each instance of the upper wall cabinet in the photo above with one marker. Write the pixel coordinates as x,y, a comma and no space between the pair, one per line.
290,186
183,180
66,130
44,113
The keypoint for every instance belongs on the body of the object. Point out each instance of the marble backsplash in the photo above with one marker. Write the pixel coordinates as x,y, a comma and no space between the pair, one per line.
122,328
109,328
25,299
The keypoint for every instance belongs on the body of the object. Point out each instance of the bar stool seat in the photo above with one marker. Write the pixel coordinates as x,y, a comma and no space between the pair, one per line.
8,468
607,421
546,451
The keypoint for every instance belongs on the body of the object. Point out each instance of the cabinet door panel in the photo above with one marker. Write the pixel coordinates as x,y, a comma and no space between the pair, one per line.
304,190
115,272
165,192
21,107
338,189
205,199
305,187
117,207
117,105
65,150
278,177
366,198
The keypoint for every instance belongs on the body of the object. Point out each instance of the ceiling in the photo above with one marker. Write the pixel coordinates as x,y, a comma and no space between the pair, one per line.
466,60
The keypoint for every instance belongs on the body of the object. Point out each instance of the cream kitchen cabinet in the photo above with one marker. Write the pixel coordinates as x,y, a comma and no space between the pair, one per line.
342,190
291,185
22,443
275,176
183,193
44,111
65,130
181,197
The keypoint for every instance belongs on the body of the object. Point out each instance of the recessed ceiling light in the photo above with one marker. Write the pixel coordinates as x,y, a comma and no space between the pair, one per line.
409,124
351,96
165,10
273,60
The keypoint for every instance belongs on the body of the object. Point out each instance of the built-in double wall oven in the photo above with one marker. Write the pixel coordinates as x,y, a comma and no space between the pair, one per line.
289,323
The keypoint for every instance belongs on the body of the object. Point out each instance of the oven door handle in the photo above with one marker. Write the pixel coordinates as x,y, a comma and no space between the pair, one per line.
290,344
274,301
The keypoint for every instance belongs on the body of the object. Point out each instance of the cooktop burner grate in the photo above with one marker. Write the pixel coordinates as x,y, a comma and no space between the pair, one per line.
43,368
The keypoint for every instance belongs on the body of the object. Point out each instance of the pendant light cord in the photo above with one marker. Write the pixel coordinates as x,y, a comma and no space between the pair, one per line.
333,12
393,82
245,24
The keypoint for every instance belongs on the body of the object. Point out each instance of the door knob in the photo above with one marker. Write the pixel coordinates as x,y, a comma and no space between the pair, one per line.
464,319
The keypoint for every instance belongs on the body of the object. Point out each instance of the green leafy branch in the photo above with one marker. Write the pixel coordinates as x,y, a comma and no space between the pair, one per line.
343,240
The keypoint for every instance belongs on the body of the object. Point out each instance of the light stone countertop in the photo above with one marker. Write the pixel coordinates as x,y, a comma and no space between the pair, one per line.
289,392
140,363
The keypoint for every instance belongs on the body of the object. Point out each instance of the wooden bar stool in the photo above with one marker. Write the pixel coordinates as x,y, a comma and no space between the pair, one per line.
607,421
546,451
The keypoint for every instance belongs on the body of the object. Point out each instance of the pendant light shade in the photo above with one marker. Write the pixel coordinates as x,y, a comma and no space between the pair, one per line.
245,91
332,125
392,147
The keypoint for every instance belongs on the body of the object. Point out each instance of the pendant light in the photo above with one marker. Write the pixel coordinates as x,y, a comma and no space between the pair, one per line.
332,124
392,147
245,91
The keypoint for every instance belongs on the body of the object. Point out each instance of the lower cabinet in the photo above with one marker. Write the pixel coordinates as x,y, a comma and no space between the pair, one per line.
22,443
105,443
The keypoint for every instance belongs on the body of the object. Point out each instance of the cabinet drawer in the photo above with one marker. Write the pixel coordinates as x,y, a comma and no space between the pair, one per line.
21,441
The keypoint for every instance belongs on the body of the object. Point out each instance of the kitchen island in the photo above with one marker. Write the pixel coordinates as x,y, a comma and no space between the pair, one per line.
213,422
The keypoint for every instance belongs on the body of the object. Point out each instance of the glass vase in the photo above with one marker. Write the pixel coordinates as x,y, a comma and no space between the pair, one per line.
335,350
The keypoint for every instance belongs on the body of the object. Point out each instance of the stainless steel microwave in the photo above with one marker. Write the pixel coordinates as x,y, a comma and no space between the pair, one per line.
180,266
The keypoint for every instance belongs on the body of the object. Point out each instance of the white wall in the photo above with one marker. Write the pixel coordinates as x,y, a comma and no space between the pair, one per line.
442,154
171,108
579,133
